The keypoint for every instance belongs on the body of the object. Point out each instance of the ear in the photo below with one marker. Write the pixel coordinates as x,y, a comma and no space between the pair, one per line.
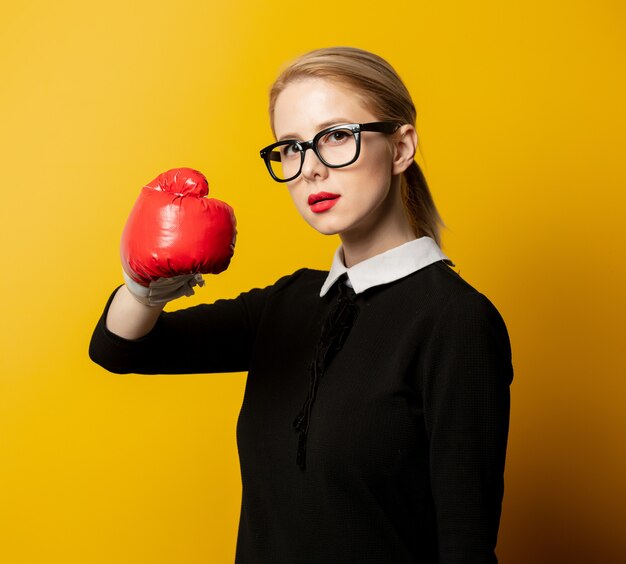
404,147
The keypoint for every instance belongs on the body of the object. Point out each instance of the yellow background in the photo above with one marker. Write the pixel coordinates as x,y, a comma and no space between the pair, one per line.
521,121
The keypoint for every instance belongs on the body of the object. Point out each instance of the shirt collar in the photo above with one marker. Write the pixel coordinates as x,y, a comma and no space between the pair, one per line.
385,267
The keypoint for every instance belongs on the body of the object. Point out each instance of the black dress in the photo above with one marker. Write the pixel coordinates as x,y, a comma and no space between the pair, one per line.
377,438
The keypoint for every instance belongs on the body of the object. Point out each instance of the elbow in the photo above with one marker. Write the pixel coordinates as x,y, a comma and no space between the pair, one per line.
107,364
99,355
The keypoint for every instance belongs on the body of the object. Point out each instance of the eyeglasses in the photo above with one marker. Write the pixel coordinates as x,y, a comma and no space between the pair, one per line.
336,147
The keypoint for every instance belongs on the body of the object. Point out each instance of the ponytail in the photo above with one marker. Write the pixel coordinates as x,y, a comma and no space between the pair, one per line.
419,204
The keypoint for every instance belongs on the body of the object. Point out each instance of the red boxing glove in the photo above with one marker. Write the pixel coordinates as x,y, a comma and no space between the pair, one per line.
174,229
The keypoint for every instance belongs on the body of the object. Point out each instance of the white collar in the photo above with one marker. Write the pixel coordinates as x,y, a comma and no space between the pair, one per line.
385,267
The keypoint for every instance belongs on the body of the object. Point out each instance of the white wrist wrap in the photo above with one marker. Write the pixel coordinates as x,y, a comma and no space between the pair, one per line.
163,290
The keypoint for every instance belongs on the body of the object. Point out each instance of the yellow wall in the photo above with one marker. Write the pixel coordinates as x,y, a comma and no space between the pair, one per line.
521,118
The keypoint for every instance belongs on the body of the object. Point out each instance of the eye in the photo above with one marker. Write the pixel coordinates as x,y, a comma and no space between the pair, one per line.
337,137
289,151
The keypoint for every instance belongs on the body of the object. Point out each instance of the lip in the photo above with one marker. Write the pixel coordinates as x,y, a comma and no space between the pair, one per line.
314,198
322,201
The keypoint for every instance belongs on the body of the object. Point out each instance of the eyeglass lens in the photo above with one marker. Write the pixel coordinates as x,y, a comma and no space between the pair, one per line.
336,148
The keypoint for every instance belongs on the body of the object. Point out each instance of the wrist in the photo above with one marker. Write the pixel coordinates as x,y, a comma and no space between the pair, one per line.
163,290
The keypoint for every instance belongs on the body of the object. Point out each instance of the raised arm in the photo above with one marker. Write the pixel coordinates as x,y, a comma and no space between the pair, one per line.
173,235
216,337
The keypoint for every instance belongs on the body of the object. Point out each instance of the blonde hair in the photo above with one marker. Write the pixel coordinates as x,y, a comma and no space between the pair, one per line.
381,90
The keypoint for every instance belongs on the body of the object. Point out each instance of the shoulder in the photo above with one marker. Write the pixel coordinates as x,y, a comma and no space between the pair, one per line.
446,290
294,286
441,279
303,280
467,334
465,301
465,317
449,304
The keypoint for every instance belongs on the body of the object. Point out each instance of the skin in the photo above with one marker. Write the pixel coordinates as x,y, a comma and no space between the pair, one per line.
129,318
369,217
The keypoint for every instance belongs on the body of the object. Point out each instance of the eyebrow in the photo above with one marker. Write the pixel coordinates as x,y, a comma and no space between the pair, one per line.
320,126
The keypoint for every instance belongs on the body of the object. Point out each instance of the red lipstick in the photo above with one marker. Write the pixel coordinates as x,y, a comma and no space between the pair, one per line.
322,201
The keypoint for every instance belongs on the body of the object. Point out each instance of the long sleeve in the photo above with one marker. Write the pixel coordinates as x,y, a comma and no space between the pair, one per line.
217,337
467,373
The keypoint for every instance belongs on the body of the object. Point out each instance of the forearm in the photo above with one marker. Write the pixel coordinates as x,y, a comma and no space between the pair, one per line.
130,319
205,338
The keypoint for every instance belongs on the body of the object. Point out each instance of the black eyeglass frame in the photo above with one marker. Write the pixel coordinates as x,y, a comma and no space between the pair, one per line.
267,154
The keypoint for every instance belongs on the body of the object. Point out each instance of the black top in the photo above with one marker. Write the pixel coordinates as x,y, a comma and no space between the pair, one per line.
379,438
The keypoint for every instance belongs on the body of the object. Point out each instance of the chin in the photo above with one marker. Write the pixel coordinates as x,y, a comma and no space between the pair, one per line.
324,227
325,230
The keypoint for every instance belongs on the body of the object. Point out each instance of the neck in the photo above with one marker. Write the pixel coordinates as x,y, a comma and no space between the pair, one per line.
366,241
358,251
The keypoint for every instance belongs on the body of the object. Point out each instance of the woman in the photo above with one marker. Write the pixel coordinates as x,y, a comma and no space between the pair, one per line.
375,417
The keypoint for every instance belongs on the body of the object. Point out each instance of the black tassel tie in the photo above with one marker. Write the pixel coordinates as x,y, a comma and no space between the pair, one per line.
335,331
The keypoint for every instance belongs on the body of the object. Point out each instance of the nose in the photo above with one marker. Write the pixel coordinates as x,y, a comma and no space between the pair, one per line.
312,167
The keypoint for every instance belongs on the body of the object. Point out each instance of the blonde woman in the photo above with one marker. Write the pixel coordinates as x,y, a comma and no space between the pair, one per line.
375,418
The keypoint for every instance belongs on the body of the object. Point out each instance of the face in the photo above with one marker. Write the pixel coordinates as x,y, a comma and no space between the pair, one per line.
346,201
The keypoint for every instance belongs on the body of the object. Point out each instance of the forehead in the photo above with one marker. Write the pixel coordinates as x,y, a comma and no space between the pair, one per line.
307,105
